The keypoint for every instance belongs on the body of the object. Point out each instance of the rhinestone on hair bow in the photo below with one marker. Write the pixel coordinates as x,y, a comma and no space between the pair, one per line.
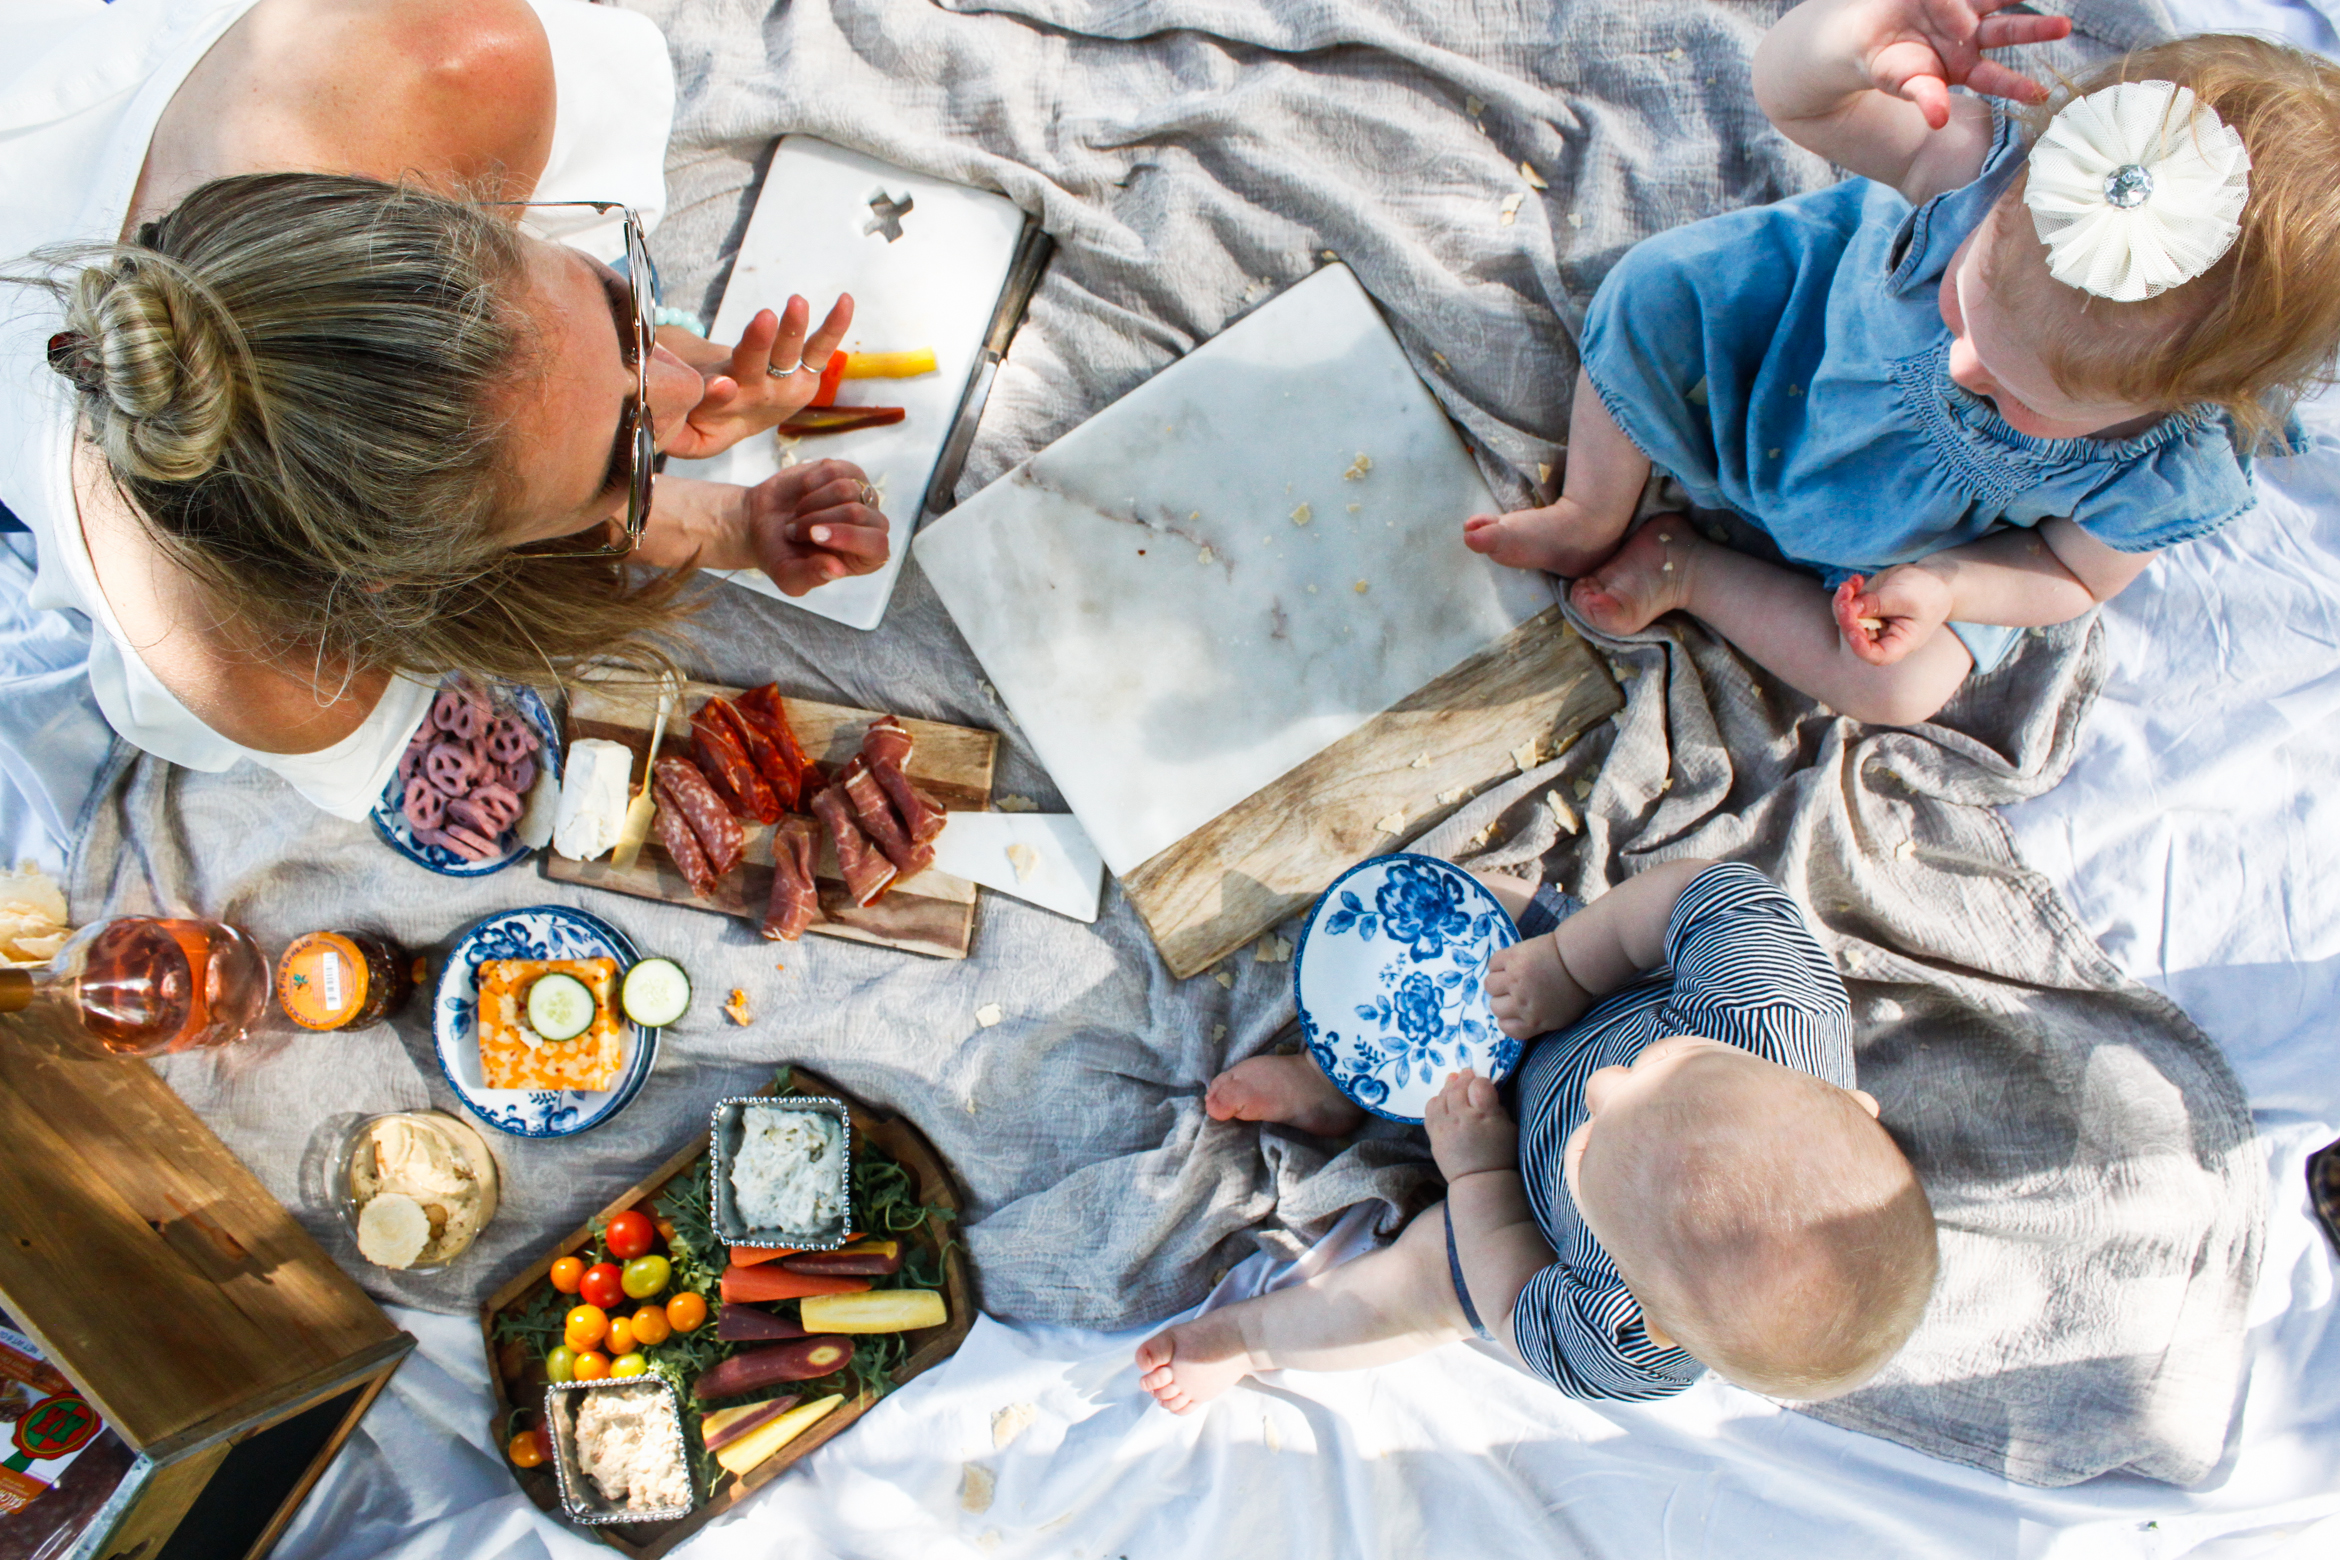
2136,189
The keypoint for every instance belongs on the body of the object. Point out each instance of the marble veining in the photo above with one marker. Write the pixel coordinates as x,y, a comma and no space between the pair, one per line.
1228,570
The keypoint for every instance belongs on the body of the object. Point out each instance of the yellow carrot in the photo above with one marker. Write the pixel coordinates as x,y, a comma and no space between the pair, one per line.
889,365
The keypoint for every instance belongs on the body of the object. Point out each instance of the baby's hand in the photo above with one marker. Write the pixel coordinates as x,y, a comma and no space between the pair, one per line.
1918,50
1892,612
1469,1130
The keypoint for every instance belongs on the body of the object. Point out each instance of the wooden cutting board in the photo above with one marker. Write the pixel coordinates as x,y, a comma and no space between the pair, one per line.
1401,773
932,913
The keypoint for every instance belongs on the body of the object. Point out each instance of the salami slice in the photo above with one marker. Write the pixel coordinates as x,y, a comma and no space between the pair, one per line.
716,745
674,834
796,899
682,787
768,710
867,874
770,765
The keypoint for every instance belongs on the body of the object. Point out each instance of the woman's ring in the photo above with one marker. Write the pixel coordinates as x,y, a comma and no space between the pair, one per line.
777,372
869,496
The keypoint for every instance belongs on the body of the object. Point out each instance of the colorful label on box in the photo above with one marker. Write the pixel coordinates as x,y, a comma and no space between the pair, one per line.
46,1422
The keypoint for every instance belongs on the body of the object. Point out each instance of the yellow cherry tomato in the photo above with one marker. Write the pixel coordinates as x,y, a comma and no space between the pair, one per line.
525,1450
621,1335
585,1327
686,1312
628,1365
590,1366
651,1326
567,1273
559,1362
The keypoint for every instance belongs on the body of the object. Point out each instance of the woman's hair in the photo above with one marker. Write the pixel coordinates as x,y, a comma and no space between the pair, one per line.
2260,326
301,383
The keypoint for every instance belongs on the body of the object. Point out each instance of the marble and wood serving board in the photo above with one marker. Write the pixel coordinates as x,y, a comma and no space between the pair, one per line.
932,913
1233,609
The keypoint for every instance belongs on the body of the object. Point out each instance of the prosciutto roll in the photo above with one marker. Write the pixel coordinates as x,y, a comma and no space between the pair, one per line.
886,749
796,899
715,744
867,874
682,789
875,814
886,742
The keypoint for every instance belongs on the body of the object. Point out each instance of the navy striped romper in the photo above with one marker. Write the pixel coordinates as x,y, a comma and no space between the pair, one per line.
1742,968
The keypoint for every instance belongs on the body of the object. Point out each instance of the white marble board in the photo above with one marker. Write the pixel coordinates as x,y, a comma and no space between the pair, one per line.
1166,633
937,285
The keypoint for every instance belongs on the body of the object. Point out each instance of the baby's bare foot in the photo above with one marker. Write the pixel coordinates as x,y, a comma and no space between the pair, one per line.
1529,989
1558,539
1188,1365
1648,577
1292,1090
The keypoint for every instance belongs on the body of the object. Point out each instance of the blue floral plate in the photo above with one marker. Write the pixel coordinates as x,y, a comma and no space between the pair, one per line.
538,932
1389,979
389,812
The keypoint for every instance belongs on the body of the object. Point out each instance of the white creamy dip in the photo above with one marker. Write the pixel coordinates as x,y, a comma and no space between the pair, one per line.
628,1444
787,1173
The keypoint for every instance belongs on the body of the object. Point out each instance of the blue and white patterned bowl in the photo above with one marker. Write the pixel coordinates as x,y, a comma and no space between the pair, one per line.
1390,981
389,812
538,932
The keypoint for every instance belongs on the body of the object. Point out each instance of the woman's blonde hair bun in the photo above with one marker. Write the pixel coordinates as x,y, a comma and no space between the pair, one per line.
159,365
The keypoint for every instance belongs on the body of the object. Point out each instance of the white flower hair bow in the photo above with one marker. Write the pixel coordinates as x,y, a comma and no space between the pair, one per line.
2135,189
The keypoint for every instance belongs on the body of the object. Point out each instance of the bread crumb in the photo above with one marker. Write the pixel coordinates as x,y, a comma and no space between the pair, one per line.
1421,761
1439,358
1449,798
737,1008
1312,590
1362,587
1302,515
1524,756
1353,508
1511,205
1474,106
1527,171
1575,220
1582,788
1562,814
1025,860
1391,823
1218,1033
1272,950
1358,468
1204,556
1676,55
1624,671
1543,473
1010,1422
976,1485
989,1014
1014,803
1225,980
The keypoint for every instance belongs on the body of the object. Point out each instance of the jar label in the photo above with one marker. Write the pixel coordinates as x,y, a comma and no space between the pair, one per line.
321,980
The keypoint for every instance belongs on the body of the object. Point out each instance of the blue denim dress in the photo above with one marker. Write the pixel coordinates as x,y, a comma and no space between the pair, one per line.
1789,363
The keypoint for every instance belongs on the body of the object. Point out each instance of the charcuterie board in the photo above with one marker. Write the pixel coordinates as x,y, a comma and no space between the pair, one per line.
932,913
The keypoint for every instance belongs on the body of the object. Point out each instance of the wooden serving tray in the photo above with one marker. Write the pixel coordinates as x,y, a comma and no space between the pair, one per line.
932,913
929,1346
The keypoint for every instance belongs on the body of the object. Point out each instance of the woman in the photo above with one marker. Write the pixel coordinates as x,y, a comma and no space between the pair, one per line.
331,413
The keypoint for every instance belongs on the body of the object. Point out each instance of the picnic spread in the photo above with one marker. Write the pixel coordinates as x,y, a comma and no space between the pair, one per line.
1011,1094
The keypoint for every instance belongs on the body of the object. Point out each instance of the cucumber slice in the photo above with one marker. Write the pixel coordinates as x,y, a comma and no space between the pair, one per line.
560,1007
656,993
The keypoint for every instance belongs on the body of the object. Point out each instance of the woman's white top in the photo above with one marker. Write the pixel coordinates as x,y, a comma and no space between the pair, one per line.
77,112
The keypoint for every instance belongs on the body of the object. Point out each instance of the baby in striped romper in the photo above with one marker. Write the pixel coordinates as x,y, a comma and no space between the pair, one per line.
1693,1182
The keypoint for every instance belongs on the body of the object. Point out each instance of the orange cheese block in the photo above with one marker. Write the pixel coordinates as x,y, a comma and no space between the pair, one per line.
514,1056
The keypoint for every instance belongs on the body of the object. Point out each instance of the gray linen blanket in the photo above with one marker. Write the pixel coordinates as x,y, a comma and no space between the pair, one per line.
1193,157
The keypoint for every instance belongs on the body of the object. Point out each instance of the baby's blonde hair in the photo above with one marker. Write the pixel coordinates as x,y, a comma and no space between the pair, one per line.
2262,325
1792,1248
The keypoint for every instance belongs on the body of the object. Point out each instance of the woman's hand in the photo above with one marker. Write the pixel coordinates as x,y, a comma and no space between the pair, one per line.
1917,50
815,523
742,395
1886,616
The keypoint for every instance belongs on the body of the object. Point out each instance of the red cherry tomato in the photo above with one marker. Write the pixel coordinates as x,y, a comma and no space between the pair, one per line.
629,1235
603,1285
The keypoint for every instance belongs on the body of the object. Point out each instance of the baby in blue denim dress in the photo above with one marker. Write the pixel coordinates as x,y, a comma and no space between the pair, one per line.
1976,387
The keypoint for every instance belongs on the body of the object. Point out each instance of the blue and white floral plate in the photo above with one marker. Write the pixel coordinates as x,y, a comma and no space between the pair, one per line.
1390,981
538,932
389,812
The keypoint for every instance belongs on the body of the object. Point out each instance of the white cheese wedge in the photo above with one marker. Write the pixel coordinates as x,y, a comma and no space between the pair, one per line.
593,798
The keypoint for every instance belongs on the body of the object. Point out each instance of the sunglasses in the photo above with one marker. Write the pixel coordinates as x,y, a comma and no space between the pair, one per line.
2323,1178
634,432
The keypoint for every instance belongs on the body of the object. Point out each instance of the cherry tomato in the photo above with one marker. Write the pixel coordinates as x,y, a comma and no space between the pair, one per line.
629,1235
621,1335
651,1326
629,1365
602,1285
525,1451
645,1276
583,1328
558,1362
566,1273
686,1312
591,1366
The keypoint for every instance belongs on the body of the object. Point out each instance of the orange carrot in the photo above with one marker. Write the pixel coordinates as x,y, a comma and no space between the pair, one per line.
761,1283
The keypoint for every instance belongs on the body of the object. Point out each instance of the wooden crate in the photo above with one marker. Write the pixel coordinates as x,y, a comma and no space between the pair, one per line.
929,1346
215,1337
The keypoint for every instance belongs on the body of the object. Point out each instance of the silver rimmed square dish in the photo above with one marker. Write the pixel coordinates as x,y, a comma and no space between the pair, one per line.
725,1129
581,1497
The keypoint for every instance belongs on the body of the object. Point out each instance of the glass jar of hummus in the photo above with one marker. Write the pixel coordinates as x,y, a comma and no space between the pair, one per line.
417,1188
